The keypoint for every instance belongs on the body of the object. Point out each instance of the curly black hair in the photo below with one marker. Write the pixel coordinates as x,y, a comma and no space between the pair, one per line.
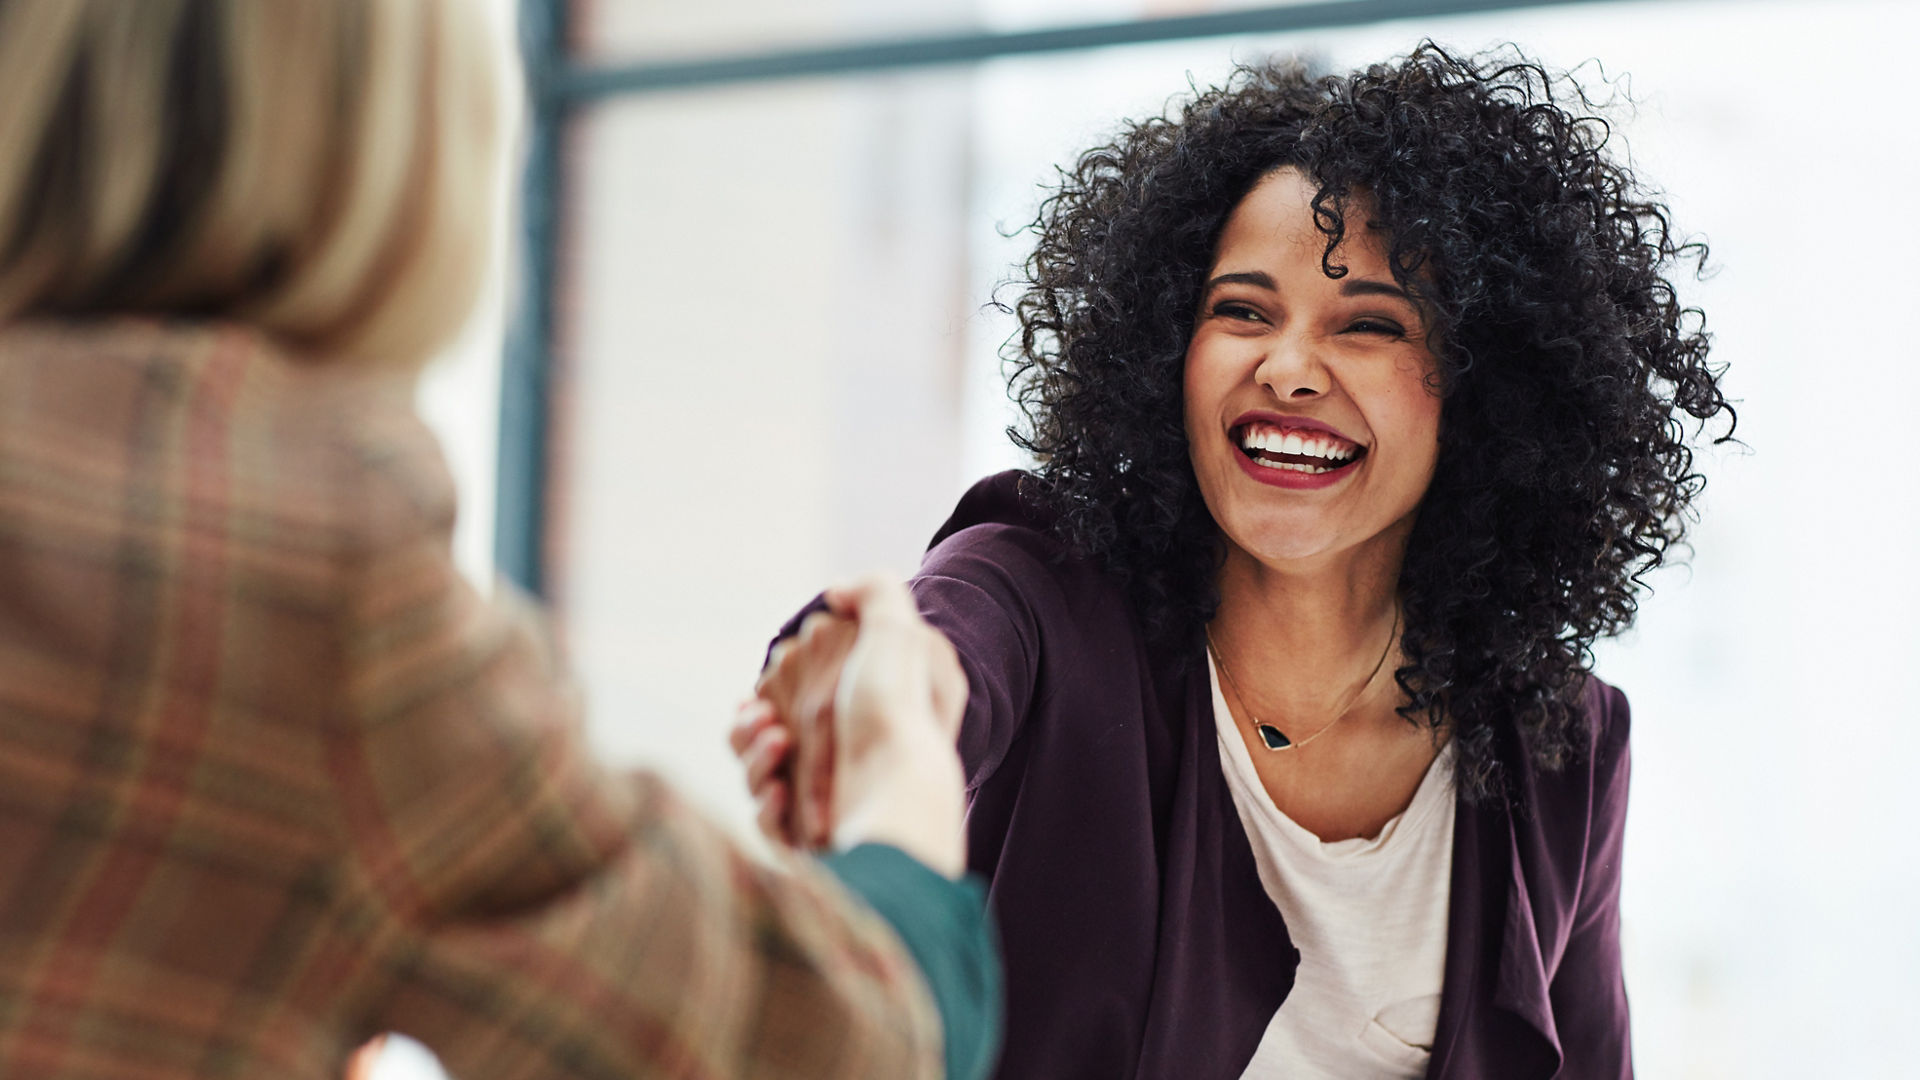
1565,362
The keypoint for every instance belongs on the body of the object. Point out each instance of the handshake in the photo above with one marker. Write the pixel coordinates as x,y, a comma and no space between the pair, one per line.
849,738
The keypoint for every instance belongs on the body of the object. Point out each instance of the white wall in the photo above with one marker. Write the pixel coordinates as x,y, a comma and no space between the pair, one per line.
765,295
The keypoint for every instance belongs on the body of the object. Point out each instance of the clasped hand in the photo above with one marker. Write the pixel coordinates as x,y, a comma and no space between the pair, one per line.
849,738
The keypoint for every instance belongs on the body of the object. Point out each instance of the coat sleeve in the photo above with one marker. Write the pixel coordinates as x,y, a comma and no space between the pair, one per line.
987,588
1588,993
527,914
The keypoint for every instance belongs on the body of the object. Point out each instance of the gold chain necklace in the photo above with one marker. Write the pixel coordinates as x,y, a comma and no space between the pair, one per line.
1272,737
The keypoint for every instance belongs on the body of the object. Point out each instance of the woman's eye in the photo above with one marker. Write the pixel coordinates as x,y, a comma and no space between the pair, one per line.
1375,326
1236,311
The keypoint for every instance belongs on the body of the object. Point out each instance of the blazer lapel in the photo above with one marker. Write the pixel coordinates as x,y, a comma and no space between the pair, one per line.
1496,1018
1210,1006
1521,984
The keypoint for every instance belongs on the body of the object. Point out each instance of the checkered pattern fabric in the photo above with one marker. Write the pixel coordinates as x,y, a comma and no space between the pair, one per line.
273,778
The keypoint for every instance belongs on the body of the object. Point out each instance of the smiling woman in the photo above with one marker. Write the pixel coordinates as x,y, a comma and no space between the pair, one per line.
1357,408
1320,387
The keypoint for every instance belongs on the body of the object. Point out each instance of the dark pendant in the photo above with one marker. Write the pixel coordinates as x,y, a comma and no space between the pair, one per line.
1273,737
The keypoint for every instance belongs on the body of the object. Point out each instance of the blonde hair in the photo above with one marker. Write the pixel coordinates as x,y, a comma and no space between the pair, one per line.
322,169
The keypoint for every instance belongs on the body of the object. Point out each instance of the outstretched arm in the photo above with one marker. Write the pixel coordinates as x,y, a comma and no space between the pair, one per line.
525,913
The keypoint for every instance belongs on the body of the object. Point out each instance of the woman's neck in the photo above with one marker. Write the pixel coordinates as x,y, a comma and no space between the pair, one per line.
1306,636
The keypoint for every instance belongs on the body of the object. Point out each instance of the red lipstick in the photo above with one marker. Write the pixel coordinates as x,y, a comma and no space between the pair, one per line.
1321,457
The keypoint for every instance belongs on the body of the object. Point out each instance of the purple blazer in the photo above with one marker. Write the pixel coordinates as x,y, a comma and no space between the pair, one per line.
1139,941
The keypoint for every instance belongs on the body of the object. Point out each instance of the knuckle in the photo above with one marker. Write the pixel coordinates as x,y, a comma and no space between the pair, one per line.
776,657
762,681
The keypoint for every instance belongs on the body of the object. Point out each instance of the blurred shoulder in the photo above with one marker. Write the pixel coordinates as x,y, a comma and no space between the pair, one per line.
212,426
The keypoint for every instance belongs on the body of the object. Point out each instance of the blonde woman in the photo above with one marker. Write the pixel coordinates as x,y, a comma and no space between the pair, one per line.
272,778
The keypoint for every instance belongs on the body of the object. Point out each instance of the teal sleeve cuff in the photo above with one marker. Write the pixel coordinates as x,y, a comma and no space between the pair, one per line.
946,926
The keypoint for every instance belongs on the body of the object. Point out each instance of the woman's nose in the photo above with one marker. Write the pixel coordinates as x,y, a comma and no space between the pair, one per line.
1293,369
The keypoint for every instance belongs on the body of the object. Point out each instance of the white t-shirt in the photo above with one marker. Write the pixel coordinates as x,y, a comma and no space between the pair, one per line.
1369,917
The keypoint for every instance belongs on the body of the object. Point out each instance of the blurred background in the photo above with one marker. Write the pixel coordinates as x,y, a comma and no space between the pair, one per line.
746,349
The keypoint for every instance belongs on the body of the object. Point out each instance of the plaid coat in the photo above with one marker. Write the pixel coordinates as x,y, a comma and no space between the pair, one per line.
274,779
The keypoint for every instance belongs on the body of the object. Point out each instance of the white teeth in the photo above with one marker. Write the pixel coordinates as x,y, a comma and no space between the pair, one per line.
1292,467
1310,444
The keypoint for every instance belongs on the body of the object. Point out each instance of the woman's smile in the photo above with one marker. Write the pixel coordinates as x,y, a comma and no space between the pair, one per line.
1293,452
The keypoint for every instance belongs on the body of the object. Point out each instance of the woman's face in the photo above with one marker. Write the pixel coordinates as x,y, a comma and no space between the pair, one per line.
1310,424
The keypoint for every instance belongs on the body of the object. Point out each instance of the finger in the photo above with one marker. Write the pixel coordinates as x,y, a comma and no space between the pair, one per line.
752,717
775,657
803,690
828,638
806,821
771,813
767,757
823,814
812,626
816,821
812,769
793,658
873,596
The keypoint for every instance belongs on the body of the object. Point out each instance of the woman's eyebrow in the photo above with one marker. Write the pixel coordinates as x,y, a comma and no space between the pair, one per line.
1349,287
1243,277
1373,287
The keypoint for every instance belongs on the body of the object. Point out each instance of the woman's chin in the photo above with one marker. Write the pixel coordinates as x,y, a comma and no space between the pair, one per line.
1308,540
1293,550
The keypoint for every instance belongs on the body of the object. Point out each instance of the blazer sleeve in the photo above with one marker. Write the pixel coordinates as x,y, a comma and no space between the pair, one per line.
1588,993
989,589
527,914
